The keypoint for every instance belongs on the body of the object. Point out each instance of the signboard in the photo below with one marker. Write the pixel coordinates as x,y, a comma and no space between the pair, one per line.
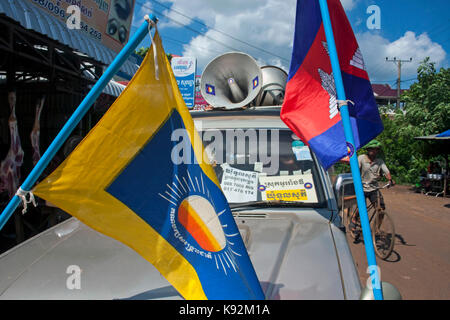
184,69
105,21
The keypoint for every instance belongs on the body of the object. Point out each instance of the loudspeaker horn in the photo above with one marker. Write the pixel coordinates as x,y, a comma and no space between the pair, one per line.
273,86
231,80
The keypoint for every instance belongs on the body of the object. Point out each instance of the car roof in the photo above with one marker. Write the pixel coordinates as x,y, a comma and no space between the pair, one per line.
257,117
273,111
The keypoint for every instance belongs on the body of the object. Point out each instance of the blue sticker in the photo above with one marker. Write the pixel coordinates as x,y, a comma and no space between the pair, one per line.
297,143
210,89
255,82
308,185
262,188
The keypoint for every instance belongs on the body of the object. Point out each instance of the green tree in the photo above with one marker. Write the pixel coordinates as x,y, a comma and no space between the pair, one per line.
142,51
427,111
428,100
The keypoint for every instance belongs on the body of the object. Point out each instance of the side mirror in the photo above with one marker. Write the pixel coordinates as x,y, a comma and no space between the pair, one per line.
343,188
390,292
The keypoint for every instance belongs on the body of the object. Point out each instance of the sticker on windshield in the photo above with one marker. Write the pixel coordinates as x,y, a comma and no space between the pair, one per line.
288,188
239,185
286,195
301,153
258,167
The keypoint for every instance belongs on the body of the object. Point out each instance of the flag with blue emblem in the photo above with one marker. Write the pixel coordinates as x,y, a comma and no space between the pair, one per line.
140,176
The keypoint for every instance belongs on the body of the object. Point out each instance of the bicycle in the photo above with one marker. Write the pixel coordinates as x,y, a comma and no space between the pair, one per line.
381,225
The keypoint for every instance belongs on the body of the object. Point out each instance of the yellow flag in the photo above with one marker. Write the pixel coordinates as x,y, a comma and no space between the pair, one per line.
121,180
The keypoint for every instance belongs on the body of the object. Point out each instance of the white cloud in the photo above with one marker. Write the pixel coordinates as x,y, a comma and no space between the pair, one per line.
375,49
265,24
348,4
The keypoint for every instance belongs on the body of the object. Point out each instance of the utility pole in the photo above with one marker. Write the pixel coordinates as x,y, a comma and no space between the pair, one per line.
398,62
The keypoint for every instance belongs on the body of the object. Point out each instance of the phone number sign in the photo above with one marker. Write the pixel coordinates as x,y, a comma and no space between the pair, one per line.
105,21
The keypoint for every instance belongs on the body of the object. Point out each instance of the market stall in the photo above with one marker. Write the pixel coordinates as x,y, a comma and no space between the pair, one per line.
437,177
46,69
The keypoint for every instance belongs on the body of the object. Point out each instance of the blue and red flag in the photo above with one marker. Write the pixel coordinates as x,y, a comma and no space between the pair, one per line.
310,107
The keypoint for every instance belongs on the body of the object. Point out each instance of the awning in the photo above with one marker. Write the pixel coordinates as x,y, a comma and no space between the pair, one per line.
441,136
113,88
32,17
445,134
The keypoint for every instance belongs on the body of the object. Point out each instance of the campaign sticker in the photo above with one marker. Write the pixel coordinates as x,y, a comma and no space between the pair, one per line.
239,185
288,188
287,195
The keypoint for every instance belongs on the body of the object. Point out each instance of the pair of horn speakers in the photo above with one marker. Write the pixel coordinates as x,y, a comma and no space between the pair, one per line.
234,80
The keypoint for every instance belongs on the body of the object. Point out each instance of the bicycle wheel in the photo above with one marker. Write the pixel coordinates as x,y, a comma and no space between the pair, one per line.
383,234
353,214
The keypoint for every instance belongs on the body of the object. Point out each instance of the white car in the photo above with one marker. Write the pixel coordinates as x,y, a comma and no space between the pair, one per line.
285,208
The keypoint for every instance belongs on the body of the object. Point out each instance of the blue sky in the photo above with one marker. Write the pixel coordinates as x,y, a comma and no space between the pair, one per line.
264,29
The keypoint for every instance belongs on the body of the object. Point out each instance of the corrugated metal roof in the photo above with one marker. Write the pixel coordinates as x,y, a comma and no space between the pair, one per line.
31,17
113,88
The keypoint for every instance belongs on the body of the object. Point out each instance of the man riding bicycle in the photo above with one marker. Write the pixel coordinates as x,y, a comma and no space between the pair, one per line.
372,168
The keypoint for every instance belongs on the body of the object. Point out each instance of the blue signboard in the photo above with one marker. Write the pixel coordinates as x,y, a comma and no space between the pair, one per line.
184,69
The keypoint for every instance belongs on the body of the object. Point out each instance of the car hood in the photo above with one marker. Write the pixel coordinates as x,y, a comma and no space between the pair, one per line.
293,252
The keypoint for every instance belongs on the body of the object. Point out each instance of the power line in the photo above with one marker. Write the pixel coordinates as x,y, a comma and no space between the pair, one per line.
409,79
209,27
165,37
189,28
441,28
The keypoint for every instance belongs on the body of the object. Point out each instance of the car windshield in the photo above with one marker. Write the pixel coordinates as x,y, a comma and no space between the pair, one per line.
264,167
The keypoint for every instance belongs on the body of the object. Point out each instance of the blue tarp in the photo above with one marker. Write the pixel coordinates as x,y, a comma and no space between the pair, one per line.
444,134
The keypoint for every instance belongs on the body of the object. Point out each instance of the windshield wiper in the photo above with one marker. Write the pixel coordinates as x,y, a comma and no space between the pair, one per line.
268,204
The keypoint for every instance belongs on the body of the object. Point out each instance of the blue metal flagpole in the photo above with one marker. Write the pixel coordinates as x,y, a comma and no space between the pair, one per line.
361,201
77,116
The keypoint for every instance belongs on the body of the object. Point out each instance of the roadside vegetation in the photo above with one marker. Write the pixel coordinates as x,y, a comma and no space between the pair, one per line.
426,112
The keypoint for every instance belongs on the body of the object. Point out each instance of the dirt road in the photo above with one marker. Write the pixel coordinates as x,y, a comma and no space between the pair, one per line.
420,264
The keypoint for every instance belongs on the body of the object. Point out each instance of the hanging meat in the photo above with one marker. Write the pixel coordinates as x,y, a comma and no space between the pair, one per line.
35,133
10,166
